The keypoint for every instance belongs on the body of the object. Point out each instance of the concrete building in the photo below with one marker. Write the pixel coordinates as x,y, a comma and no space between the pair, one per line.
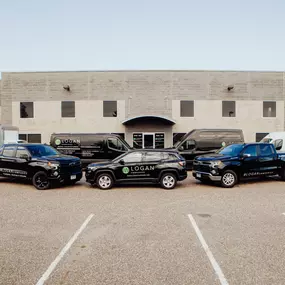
148,107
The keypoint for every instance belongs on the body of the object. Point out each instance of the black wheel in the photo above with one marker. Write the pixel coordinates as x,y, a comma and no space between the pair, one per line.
168,181
105,181
41,181
229,179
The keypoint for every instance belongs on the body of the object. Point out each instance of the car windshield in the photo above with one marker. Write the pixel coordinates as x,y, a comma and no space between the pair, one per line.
232,150
42,150
266,140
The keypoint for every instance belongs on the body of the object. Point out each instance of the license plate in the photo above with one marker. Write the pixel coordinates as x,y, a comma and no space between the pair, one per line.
198,175
72,177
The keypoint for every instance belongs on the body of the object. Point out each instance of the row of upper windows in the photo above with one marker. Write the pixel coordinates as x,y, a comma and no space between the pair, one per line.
68,109
228,109
110,109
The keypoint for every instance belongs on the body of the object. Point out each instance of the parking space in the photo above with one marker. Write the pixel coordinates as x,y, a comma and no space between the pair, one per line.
143,235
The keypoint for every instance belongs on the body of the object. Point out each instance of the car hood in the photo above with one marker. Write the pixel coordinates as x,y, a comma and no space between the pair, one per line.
61,158
214,156
100,164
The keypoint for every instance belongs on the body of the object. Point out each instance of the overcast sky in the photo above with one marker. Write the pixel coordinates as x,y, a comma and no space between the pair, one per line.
48,35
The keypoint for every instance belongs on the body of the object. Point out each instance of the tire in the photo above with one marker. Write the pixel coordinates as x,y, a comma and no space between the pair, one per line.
168,181
229,179
41,181
105,181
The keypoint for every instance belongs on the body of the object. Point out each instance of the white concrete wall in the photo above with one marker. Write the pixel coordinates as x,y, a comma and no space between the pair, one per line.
88,118
249,117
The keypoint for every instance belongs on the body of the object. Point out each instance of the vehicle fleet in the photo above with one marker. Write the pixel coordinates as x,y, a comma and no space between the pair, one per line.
217,155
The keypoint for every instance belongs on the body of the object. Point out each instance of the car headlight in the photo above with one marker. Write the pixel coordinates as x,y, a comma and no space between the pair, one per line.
216,163
91,168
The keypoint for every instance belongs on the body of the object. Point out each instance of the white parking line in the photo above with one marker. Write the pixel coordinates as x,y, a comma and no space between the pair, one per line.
214,263
63,251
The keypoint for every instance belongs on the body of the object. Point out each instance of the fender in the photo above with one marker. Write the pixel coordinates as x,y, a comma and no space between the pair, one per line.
171,170
104,171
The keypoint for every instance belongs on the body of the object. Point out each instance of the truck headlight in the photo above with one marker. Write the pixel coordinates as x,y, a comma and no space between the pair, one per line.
92,168
53,165
215,164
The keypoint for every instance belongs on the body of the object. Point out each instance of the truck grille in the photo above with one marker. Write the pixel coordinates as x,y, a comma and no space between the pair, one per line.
70,167
201,166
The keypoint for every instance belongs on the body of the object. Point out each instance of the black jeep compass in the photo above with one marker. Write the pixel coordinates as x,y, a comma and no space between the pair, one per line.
165,167
40,163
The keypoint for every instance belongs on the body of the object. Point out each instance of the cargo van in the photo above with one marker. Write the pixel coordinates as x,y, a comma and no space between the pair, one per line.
89,147
277,139
204,141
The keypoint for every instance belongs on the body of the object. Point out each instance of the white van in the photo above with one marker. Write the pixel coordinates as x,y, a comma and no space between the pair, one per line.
277,139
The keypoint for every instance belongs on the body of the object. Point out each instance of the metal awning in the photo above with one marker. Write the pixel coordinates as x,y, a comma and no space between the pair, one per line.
153,118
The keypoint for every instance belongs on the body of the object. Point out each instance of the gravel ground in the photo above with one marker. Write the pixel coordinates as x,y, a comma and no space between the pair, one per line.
142,235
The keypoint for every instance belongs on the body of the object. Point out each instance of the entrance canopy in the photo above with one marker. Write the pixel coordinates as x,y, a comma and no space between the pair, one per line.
148,118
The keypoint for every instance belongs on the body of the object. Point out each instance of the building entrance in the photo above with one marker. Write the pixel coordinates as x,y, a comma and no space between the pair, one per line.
148,140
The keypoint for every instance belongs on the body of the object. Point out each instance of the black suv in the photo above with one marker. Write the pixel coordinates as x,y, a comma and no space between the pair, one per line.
40,163
165,167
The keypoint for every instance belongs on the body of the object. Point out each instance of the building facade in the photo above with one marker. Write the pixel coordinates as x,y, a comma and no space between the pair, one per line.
148,108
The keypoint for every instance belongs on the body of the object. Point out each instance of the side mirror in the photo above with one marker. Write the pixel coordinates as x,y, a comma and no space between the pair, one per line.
25,156
121,162
245,155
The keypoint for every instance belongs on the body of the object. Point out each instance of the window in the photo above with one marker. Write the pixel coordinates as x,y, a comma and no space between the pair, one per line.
133,157
23,137
159,140
186,108
110,109
20,151
9,151
153,156
177,137
42,150
68,109
269,109
26,109
31,138
260,136
188,145
116,144
137,140
251,150
122,135
228,108
266,150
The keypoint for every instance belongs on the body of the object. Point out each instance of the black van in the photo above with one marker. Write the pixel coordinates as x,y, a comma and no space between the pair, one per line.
90,147
204,141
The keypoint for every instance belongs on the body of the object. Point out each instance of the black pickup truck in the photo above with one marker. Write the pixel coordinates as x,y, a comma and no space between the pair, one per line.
40,163
239,161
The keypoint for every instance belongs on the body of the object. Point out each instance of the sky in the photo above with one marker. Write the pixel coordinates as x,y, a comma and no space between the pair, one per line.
59,35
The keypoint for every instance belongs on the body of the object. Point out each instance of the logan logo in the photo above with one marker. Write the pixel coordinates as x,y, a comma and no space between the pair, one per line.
125,170
142,168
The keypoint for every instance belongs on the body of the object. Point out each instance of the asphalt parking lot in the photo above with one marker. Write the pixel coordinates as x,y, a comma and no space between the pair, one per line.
143,235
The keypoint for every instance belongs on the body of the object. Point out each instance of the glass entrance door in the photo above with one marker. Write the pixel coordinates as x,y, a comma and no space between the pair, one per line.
148,140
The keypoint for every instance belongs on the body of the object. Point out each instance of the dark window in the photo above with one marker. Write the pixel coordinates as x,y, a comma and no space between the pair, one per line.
269,109
137,140
186,108
229,108
110,109
20,151
116,144
153,156
23,137
133,157
260,136
26,109
278,144
266,150
159,140
9,151
68,109
251,150
42,150
188,145
177,137
34,138
122,135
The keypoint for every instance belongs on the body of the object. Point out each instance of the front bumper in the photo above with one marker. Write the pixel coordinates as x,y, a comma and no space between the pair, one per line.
206,175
